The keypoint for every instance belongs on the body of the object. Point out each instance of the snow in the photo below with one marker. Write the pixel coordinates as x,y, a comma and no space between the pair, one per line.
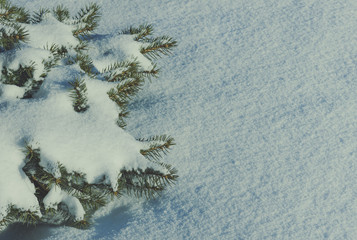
11,92
51,32
261,99
56,195
90,142
116,47
24,57
15,178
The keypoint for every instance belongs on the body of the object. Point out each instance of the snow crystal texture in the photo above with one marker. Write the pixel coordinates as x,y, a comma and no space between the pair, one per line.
261,99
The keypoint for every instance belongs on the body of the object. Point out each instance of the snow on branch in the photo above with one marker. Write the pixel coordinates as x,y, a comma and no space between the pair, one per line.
73,164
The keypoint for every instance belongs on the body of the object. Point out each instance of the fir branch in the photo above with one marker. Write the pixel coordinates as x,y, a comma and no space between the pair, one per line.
86,64
28,217
81,47
40,186
49,212
121,122
148,182
130,77
60,216
121,70
79,95
156,47
57,52
7,219
4,222
61,13
154,72
86,20
61,52
140,189
82,224
12,13
33,87
157,146
172,175
141,32
20,76
91,196
37,17
37,175
24,16
53,48
23,77
73,182
50,63
32,154
93,201
11,34
124,91
53,60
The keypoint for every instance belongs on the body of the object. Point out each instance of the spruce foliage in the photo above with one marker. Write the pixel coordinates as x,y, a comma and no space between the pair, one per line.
37,17
128,78
79,95
11,35
61,13
86,20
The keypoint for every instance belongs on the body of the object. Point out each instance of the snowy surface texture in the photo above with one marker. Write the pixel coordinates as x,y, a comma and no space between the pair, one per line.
261,99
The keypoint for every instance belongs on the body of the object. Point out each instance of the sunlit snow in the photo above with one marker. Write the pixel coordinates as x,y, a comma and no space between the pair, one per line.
260,96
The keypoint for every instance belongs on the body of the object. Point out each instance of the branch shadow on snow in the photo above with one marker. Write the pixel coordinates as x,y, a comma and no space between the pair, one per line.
18,231
116,220
148,101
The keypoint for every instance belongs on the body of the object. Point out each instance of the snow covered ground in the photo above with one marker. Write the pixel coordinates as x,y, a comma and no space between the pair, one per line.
260,96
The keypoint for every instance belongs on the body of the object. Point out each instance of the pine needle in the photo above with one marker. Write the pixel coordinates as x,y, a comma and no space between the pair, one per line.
79,95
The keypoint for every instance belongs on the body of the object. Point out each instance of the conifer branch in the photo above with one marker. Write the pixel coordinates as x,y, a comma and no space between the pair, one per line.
82,224
124,91
37,17
7,219
129,77
11,34
115,98
20,76
148,182
156,47
138,187
81,47
38,184
91,196
28,217
121,122
93,201
24,76
121,70
57,53
154,72
56,50
85,63
157,146
13,13
32,153
61,13
79,95
141,32
86,20
34,87
37,175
